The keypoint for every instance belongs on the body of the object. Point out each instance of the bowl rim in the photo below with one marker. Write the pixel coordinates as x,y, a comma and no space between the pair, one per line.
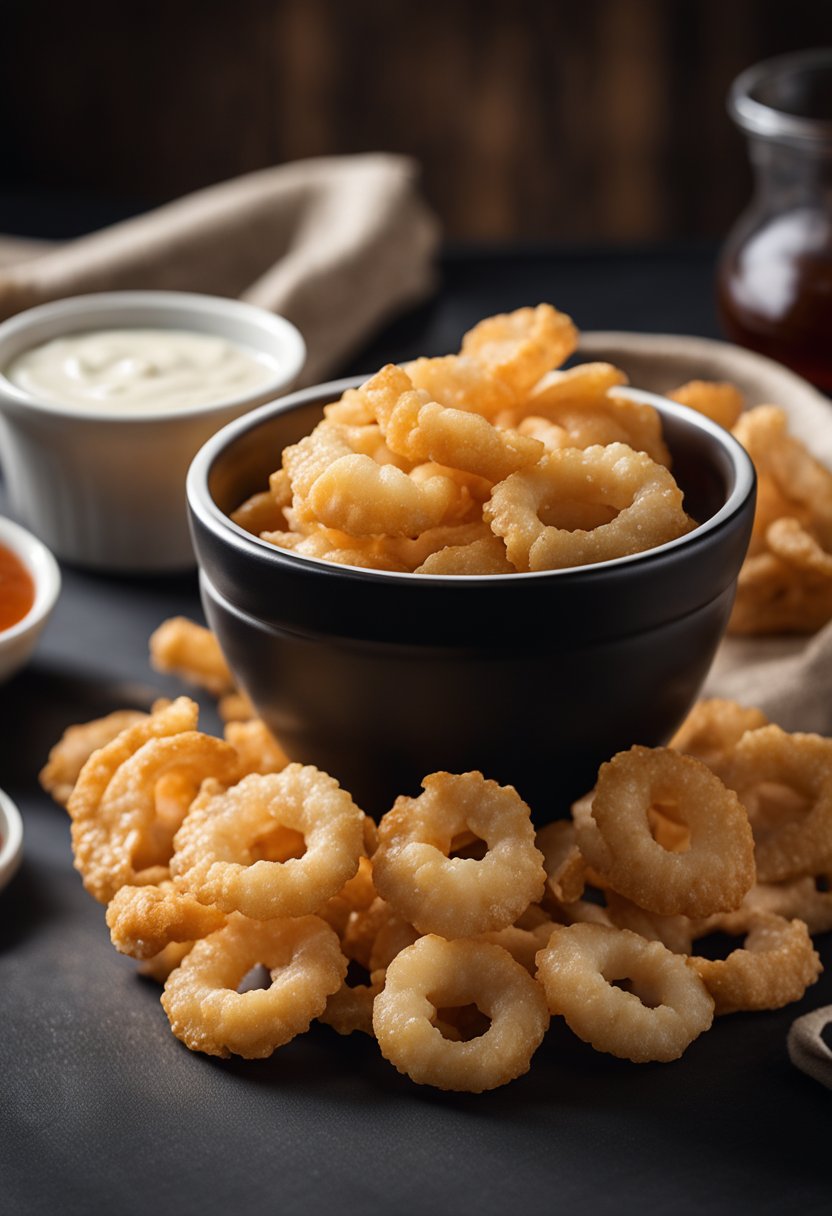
190,304
207,511
11,838
45,573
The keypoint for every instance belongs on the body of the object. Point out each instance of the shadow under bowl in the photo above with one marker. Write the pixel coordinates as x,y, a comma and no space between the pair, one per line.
535,679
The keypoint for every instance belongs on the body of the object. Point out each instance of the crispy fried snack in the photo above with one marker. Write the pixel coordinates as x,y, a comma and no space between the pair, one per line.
519,347
235,707
75,746
615,836
566,868
775,966
461,383
799,899
665,1007
160,966
712,730
802,482
418,429
413,454
718,400
350,1009
793,833
435,974
372,937
208,1014
522,944
484,556
144,921
120,836
532,509
191,651
675,932
787,588
356,895
256,747
458,896
215,849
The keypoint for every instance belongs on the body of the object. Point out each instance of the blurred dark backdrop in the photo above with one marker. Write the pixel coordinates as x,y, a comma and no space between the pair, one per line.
589,120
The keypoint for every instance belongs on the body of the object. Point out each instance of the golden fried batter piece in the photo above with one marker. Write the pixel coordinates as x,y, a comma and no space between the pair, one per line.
185,649
75,746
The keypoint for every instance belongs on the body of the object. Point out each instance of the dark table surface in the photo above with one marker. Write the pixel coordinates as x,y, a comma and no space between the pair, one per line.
101,1109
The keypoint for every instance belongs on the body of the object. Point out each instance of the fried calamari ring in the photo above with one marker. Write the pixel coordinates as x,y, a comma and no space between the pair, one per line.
419,429
260,513
120,836
615,836
712,730
169,718
330,545
435,974
802,481
191,651
143,921
75,746
524,508
718,400
208,1014
563,860
773,597
484,556
343,489
667,1007
586,384
675,932
522,944
458,896
215,855
460,383
800,899
581,409
235,707
256,747
160,966
356,895
775,966
350,1009
519,347
798,842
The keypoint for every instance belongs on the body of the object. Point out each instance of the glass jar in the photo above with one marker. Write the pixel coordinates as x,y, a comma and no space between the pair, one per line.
775,271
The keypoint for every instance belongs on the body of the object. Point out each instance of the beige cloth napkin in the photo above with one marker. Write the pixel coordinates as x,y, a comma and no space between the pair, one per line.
337,245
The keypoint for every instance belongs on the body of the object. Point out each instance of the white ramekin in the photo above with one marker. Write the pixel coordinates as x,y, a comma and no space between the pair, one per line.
17,643
11,838
107,491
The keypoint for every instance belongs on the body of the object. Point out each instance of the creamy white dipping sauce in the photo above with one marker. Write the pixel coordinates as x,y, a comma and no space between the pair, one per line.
138,371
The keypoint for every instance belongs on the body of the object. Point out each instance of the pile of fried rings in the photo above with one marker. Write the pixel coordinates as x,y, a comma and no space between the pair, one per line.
452,931
490,461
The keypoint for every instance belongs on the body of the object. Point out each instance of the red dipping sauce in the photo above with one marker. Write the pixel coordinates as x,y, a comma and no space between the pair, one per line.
17,589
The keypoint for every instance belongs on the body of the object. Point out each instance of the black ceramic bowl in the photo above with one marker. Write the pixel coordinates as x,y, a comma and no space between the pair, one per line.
535,679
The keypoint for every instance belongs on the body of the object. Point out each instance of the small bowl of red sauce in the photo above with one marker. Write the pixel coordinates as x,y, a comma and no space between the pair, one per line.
11,838
29,584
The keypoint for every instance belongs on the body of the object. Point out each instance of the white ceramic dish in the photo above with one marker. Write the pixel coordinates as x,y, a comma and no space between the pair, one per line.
11,838
17,643
107,490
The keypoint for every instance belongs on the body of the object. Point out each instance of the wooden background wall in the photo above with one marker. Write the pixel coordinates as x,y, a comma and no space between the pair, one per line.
591,120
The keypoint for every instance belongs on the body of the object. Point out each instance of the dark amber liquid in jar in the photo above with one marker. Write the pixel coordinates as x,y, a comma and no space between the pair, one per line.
775,291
